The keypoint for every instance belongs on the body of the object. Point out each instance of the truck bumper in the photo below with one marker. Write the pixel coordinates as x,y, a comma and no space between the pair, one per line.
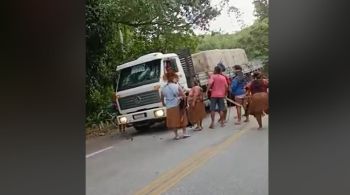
152,114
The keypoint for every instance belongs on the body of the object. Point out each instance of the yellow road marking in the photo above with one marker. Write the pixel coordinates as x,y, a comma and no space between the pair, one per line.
169,179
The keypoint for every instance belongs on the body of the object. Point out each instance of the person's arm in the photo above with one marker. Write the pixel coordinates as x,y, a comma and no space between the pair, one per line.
162,98
234,84
247,88
181,92
266,82
210,82
196,93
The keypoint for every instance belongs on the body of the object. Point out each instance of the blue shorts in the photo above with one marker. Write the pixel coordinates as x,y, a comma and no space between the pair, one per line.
217,104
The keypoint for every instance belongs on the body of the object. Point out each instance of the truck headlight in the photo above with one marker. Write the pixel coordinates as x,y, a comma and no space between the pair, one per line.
123,120
159,113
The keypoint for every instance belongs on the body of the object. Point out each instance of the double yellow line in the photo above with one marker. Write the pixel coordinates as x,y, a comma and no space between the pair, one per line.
169,179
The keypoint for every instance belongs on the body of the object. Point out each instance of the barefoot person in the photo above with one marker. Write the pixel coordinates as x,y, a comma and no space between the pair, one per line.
196,106
171,97
259,101
218,86
238,90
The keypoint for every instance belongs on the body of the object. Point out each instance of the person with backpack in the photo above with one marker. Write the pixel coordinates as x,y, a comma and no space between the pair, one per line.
238,91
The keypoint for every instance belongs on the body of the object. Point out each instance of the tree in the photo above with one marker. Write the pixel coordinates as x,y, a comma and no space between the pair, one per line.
253,39
261,9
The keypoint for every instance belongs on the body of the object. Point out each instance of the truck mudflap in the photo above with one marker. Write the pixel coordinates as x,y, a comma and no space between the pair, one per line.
143,116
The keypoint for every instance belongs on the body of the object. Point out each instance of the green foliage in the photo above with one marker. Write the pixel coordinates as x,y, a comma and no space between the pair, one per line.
253,39
261,9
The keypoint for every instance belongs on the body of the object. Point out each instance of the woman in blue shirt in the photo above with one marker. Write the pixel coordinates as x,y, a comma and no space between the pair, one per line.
171,96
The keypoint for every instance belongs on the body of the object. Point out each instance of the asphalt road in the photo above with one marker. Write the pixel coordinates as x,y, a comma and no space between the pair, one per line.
229,160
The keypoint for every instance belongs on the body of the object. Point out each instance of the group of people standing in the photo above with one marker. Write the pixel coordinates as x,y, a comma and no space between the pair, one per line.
250,95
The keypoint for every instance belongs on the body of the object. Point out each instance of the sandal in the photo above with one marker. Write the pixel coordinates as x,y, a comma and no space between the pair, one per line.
197,129
185,136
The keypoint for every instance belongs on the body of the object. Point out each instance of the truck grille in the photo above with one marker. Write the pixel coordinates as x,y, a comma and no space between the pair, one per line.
141,99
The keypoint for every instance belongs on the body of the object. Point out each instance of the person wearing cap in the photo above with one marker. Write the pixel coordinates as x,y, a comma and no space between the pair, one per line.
171,97
259,101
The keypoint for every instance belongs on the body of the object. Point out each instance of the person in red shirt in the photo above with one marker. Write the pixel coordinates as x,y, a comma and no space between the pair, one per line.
218,86
222,67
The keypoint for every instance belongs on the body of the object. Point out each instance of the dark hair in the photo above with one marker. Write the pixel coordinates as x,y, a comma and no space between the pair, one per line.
237,67
217,70
222,66
257,75
195,83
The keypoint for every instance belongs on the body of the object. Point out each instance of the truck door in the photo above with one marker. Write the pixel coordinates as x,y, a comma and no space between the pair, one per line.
175,65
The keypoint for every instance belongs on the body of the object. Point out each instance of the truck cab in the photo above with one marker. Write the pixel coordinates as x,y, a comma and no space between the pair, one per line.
139,85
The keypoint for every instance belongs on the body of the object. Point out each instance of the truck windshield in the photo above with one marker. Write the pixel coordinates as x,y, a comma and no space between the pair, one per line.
138,75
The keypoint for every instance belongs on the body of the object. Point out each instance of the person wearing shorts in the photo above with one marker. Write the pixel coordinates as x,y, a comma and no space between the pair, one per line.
218,86
238,90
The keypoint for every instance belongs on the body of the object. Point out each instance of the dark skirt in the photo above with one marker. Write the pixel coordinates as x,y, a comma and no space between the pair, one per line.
176,119
259,104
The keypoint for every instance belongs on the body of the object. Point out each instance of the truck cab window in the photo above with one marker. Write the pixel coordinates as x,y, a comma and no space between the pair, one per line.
138,75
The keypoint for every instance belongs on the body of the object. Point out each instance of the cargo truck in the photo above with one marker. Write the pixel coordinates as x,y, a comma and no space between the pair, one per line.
139,82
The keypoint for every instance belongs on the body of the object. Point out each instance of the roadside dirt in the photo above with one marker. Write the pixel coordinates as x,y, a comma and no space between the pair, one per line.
96,132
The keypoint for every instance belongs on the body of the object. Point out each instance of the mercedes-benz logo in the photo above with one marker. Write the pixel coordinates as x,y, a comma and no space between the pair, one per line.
137,100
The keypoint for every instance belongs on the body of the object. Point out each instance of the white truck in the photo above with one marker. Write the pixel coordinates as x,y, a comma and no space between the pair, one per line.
139,84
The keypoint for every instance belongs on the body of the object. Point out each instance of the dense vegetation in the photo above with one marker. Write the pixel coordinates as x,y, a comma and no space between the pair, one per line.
121,30
254,39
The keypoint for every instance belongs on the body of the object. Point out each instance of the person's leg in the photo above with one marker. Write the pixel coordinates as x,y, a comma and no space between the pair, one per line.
246,110
184,133
225,115
176,134
213,102
212,114
239,111
200,124
221,109
259,119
